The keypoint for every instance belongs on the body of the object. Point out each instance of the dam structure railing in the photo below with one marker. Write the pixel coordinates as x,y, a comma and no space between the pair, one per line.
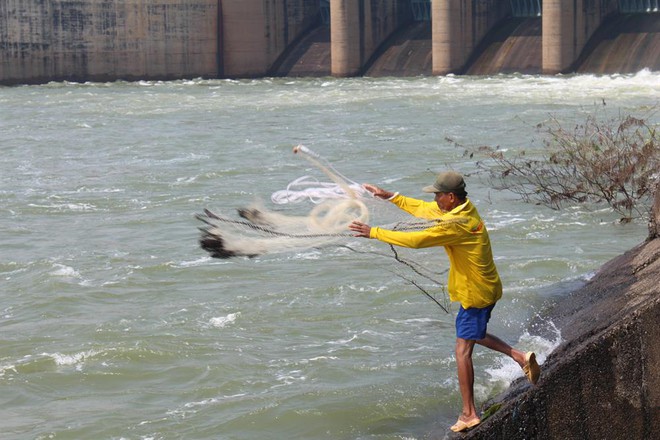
88,40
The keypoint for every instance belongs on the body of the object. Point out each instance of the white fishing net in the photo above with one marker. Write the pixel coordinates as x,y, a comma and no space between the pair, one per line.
260,231
266,232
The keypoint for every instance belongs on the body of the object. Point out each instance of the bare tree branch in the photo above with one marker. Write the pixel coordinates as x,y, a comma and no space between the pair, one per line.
616,162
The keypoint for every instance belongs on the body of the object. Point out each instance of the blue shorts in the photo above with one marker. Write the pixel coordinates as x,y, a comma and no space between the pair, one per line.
471,323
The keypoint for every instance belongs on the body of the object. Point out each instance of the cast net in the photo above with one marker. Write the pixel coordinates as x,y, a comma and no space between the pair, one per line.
260,231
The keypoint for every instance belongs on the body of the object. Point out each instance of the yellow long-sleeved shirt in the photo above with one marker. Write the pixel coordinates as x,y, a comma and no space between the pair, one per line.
473,278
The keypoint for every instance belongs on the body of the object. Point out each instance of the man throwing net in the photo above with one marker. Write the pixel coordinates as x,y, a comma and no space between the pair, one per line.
473,278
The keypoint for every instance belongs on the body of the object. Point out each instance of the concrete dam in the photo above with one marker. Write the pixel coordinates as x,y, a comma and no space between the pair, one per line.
106,40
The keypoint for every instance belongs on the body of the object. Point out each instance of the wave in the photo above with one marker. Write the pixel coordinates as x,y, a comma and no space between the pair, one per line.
506,370
223,321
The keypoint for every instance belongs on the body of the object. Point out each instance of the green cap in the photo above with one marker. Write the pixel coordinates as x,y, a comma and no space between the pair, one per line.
449,181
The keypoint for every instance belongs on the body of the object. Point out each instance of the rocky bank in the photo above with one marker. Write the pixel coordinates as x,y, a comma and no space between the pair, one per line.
603,381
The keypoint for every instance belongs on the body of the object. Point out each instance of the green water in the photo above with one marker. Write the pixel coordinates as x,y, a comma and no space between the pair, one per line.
115,325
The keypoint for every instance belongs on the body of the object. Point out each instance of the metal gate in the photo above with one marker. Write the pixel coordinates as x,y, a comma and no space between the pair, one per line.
421,9
635,6
324,6
526,8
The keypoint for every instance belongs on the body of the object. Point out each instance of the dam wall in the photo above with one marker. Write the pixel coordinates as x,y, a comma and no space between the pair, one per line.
358,28
255,34
107,40
457,28
80,40
625,43
567,27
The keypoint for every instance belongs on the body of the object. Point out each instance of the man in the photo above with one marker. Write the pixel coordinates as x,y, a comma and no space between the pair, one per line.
473,278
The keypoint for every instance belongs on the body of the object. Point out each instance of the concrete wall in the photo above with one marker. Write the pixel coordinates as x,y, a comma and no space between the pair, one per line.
44,40
359,27
567,26
654,221
609,389
255,33
106,40
458,27
625,43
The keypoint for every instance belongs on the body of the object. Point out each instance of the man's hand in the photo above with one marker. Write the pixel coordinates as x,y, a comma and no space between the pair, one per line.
377,192
360,229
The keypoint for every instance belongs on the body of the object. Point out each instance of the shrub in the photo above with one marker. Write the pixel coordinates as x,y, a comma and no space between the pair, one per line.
615,162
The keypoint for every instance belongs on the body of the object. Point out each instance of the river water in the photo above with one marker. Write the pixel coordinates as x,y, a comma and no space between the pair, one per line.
116,325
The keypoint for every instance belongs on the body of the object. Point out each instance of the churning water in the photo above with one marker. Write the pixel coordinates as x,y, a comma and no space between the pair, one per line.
115,325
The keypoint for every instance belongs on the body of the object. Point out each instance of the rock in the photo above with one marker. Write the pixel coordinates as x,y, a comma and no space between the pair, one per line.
654,222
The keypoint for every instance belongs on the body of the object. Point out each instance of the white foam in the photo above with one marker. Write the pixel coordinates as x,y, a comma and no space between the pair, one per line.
190,406
193,263
415,321
66,206
343,341
508,370
503,220
321,358
290,377
7,368
223,321
64,271
76,359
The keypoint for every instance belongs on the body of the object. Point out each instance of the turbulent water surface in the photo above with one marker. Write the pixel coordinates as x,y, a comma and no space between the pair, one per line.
114,324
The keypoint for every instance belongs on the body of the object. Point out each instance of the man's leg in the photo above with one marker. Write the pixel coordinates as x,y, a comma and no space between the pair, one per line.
464,349
527,361
495,343
470,327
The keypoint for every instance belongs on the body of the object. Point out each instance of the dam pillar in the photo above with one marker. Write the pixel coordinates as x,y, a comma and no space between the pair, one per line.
457,27
255,33
567,27
447,42
558,21
345,41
